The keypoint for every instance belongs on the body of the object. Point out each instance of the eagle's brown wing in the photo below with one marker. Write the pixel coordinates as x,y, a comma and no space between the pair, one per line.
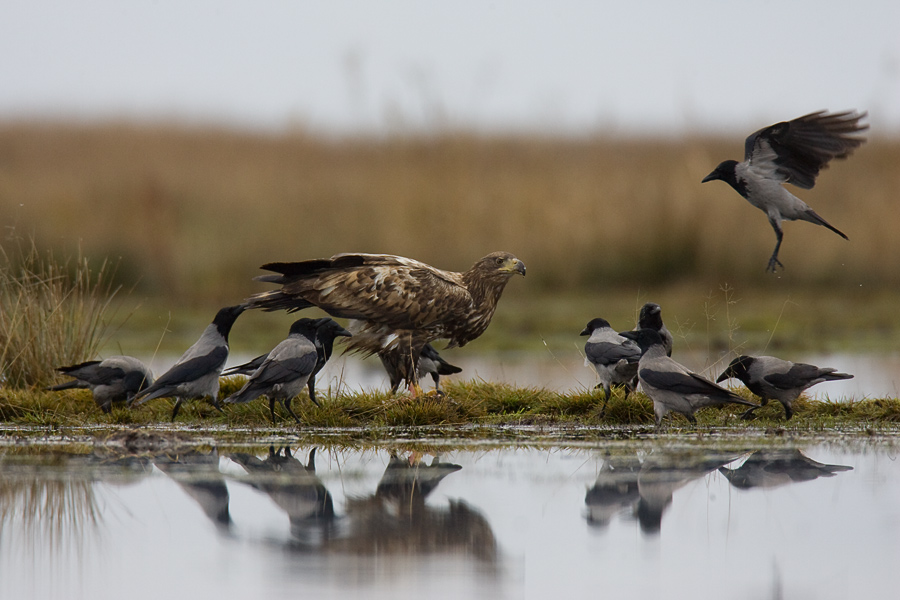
397,292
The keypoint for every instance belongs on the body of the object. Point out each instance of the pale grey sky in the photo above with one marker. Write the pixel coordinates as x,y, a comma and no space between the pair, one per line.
345,66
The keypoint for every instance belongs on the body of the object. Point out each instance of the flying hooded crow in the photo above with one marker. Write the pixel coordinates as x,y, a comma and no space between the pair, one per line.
196,374
112,380
287,368
430,363
327,330
790,152
614,357
671,386
772,378
651,318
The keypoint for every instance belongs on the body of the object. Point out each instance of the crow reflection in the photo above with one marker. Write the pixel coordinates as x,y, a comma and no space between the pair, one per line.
295,489
644,485
197,473
775,468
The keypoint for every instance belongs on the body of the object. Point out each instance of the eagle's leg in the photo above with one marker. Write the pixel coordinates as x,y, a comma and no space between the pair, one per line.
409,367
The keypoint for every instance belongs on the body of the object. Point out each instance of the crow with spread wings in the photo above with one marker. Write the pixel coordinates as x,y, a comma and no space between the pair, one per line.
790,152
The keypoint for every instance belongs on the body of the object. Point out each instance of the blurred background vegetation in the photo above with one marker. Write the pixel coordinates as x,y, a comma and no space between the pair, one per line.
187,216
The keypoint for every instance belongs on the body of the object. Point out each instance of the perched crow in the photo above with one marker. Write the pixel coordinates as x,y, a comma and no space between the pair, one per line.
196,374
651,318
614,357
327,330
671,386
113,380
790,152
772,378
430,363
287,368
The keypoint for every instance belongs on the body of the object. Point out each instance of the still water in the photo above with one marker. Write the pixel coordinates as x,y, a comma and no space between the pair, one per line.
657,518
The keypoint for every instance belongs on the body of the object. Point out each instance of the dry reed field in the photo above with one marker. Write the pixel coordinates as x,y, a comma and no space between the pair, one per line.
192,213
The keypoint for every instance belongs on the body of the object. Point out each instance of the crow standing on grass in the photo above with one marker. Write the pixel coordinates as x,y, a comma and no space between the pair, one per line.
287,368
327,330
430,363
650,317
790,152
772,378
670,385
196,374
614,357
112,380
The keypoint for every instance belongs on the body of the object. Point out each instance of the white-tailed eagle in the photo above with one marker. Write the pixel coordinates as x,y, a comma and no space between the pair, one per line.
399,304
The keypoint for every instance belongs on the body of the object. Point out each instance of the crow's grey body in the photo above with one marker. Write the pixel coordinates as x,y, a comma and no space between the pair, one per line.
772,378
614,357
112,380
790,152
196,373
327,330
287,368
670,385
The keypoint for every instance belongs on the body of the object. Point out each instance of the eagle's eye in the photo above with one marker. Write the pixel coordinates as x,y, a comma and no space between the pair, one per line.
499,260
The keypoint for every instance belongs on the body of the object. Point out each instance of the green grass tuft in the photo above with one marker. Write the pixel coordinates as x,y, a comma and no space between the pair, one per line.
51,313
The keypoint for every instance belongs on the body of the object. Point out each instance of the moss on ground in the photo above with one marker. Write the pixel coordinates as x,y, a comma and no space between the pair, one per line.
464,404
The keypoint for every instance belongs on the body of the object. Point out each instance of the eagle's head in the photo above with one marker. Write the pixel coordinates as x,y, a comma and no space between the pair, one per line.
498,265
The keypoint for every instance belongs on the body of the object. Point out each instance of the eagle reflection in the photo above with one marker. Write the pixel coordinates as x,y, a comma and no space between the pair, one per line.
394,520
397,520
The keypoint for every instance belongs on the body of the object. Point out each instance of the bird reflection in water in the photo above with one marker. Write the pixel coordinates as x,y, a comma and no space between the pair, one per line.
775,468
295,489
644,485
396,519
197,473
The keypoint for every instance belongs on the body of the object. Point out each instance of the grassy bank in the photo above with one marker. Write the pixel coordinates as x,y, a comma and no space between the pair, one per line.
192,213
466,403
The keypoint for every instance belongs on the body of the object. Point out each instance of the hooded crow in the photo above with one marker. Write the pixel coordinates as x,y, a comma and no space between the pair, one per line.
770,469
287,368
670,385
327,330
113,380
196,373
430,363
772,378
651,318
790,152
614,357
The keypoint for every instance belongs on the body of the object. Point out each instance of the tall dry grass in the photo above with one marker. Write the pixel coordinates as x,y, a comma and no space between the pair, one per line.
51,312
192,213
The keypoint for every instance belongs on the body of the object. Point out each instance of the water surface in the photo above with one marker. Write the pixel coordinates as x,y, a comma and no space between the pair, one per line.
643,519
